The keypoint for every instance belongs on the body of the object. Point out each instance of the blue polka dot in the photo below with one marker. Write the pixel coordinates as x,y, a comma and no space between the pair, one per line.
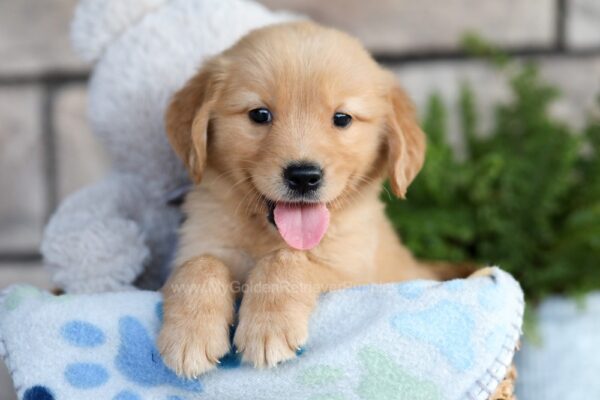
126,395
447,326
139,361
86,375
38,393
299,351
160,313
82,334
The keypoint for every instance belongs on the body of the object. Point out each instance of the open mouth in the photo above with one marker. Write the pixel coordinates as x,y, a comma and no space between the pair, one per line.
301,225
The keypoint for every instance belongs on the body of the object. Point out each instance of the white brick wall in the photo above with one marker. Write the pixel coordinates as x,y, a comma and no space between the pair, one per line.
583,28
47,150
22,184
423,36
389,26
577,79
34,36
82,159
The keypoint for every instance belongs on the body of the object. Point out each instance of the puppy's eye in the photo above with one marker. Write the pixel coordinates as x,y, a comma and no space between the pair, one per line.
260,115
342,120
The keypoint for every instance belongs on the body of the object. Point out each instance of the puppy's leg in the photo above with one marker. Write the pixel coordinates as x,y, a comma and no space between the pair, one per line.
279,297
198,311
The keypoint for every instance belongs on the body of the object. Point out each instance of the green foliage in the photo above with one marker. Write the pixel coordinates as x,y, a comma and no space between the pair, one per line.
526,196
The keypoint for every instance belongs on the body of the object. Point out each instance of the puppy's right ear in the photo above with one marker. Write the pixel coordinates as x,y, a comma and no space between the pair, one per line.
406,142
189,113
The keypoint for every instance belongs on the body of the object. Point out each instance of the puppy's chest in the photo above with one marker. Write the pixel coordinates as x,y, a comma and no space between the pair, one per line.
238,241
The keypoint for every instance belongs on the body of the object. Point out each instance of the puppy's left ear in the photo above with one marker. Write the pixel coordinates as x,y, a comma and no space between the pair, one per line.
406,142
188,116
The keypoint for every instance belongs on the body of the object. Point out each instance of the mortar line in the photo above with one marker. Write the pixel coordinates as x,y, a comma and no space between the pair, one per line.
24,257
560,25
47,78
459,55
49,148
432,55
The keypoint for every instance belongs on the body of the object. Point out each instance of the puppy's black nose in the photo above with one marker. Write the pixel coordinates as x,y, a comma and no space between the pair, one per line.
303,178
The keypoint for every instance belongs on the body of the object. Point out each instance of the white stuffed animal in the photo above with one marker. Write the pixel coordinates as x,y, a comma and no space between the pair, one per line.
120,233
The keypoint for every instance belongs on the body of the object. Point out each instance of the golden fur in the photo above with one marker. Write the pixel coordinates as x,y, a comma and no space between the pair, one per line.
304,73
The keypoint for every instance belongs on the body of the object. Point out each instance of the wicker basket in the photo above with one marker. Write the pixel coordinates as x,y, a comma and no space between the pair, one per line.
506,388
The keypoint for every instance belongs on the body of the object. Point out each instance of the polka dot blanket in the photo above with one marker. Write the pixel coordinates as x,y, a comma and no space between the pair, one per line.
415,340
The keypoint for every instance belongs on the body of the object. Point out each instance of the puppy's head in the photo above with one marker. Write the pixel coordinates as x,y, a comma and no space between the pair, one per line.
303,119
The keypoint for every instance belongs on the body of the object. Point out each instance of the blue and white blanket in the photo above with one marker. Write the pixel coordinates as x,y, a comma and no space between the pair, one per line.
416,340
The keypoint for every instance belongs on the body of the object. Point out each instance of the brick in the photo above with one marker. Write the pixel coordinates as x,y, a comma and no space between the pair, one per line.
579,83
583,24
23,202
421,80
571,76
34,36
81,159
412,26
24,273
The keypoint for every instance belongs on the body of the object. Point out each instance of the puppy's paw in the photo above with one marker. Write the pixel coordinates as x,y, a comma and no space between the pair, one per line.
193,347
268,338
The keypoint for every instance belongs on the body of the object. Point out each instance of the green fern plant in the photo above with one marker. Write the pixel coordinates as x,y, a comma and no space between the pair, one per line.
525,197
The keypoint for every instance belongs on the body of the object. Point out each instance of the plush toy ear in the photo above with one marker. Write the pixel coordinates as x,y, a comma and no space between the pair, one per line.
188,116
406,142
98,22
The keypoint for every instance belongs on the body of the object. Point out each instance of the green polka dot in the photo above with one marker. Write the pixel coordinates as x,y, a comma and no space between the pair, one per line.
20,293
320,375
384,380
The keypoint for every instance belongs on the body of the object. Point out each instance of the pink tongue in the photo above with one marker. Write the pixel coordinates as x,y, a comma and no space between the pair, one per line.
302,226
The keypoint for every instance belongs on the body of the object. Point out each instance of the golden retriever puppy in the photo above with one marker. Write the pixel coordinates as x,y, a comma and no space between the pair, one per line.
288,136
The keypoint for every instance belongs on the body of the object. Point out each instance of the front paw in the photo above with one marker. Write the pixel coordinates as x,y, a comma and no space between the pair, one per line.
193,347
268,338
